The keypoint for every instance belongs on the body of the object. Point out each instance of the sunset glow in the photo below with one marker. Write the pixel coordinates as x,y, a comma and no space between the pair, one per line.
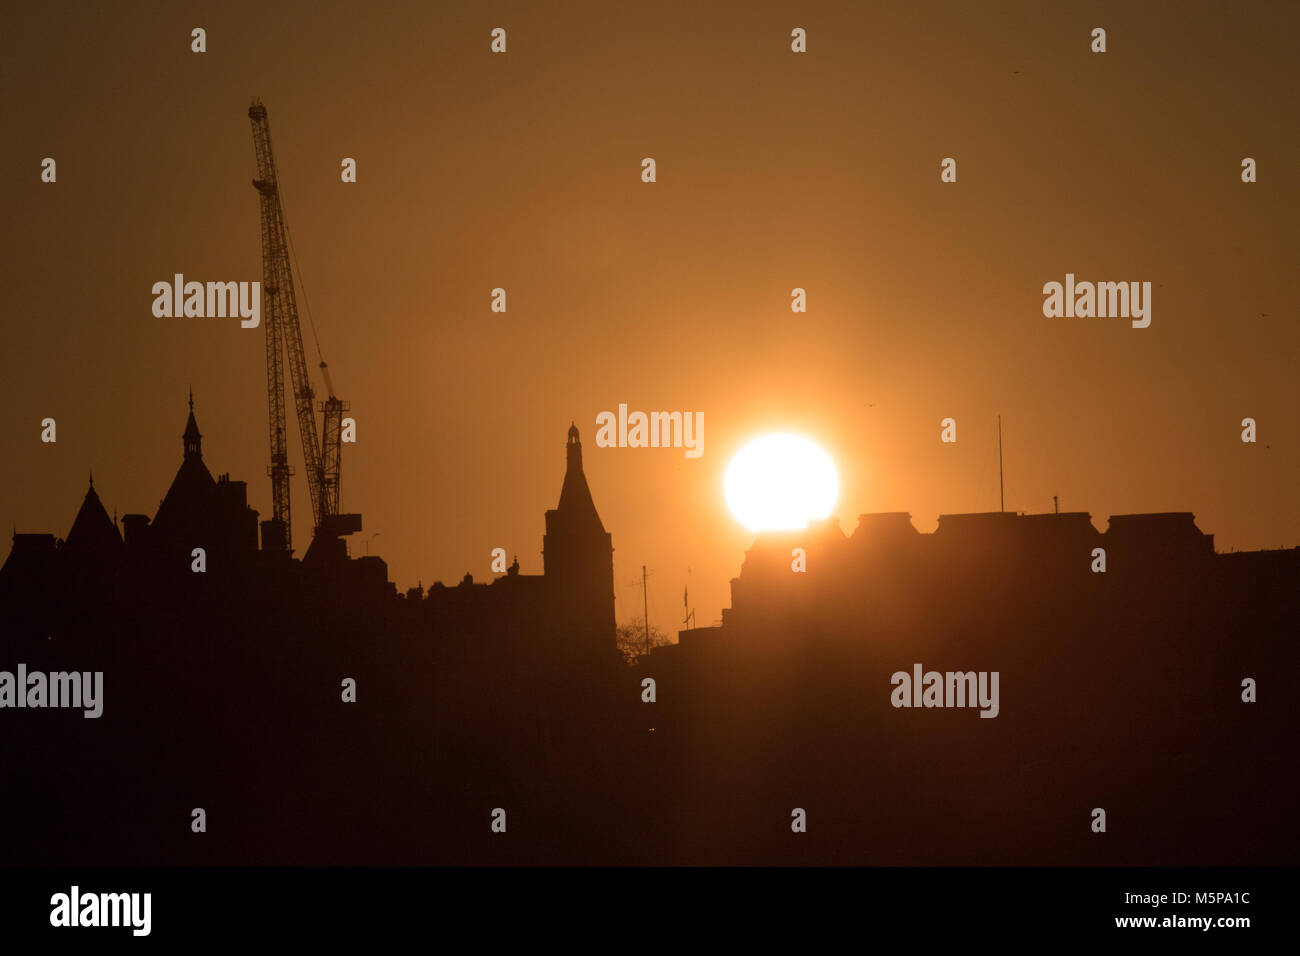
780,482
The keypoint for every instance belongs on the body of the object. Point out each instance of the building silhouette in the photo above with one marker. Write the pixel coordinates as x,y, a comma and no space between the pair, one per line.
322,717
567,611
196,511
578,556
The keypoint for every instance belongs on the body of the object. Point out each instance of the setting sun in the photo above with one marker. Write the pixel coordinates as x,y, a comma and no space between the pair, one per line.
780,482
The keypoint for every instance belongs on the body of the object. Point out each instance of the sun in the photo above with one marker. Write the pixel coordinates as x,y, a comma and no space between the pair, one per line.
780,482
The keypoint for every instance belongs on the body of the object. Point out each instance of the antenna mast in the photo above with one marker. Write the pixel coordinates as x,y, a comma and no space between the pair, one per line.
645,609
1002,501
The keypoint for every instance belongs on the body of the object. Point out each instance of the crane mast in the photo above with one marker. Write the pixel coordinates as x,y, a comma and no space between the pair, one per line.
332,447
284,338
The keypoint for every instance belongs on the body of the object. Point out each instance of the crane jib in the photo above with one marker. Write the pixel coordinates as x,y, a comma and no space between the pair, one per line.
284,346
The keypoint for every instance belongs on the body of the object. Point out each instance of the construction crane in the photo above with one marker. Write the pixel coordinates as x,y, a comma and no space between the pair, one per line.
284,338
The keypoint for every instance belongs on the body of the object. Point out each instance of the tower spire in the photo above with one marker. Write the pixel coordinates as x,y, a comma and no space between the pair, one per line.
574,450
575,496
192,438
578,559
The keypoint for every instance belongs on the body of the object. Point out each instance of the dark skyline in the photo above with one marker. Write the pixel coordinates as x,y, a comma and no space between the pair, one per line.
955,698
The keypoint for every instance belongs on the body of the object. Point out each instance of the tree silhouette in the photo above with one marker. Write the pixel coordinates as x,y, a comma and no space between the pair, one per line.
632,639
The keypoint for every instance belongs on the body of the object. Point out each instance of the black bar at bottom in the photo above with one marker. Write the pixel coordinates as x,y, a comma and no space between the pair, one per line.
658,906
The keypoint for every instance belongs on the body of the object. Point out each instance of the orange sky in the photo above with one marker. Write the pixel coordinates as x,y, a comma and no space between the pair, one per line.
775,170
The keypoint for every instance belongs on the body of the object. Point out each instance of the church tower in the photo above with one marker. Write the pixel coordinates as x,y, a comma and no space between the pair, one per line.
184,514
200,511
578,562
193,440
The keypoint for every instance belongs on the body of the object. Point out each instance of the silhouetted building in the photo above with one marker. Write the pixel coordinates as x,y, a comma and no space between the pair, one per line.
1126,659
93,537
30,578
578,556
565,615
198,512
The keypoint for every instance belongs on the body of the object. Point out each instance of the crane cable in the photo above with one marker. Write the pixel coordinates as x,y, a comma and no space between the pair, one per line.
302,285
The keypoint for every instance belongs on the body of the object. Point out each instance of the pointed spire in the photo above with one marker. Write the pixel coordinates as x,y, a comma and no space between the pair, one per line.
92,532
575,496
192,438
574,449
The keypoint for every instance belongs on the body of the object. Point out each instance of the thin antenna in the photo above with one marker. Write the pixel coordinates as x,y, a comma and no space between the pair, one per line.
1002,501
645,603
645,609
689,620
